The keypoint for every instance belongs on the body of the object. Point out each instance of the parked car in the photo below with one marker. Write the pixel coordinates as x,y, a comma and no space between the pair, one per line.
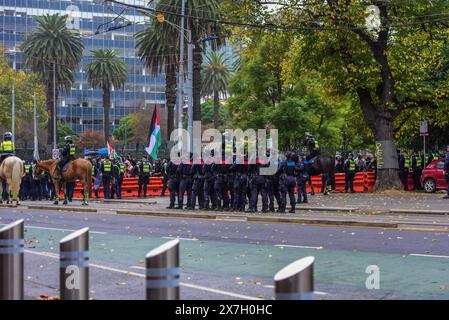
432,178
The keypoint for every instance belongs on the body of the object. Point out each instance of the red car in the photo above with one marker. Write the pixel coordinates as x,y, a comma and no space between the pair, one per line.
432,178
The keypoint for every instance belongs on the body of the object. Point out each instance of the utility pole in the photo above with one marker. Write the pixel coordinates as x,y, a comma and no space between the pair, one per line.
181,70
54,105
36,146
190,91
13,113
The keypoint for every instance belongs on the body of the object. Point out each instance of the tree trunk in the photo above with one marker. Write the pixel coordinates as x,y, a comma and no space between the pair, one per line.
170,96
216,109
196,81
106,107
387,157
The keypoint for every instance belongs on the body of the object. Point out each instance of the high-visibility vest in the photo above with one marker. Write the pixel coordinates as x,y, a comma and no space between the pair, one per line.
72,150
407,162
107,166
8,146
27,168
146,167
317,146
122,168
165,168
351,165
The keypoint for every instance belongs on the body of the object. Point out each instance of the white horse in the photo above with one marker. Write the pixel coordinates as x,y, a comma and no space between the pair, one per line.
11,171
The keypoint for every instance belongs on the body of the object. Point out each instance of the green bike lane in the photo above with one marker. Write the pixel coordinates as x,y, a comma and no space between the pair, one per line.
248,269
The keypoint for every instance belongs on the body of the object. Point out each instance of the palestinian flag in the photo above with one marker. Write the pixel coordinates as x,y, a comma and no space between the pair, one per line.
154,137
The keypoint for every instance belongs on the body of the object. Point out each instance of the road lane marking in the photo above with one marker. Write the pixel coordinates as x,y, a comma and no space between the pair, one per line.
136,274
57,229
428,255
301,247
187,239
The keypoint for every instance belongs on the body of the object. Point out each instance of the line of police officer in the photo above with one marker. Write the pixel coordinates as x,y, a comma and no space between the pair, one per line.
234,186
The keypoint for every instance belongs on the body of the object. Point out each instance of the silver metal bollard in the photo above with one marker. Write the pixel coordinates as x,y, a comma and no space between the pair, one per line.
162,272
11,261
74,266
295,281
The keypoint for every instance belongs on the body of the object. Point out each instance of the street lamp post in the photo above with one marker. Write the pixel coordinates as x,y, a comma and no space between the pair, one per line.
181,70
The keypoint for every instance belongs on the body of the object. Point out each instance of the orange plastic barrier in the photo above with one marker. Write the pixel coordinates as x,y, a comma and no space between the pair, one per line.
130,188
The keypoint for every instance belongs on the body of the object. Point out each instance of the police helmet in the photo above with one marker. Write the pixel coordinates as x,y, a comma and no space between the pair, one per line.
350,155
308,134
8,135
68,139
302,155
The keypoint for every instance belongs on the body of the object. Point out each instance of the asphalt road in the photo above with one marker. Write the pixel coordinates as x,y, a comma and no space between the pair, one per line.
236,260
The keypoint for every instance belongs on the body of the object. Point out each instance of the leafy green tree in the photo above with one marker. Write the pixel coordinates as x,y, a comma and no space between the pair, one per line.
215,76
106,70
208,113
52,46
63,131
157,48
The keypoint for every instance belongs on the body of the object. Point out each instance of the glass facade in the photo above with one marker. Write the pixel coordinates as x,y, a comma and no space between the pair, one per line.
81,107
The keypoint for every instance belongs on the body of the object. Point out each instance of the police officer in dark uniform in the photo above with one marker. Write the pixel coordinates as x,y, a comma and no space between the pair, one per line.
115,179
446,170
106,171
144,176
404,167
27,181
185,182
417,167
287,172
350,170
210,202
197,187
313,146
240,186
303,177
173,182
221,190
68,154
257,186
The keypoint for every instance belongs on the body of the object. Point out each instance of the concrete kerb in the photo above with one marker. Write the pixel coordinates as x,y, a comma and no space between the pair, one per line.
129,201
167,214
419,211
324,222
337,209
61,208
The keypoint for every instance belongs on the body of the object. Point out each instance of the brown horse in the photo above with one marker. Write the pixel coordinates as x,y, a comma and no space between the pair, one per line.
78,169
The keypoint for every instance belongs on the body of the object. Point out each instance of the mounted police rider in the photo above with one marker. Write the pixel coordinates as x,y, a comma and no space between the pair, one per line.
7,147
313,146
68,154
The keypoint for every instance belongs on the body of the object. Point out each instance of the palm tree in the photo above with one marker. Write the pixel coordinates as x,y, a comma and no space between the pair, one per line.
52,46
158,50
215,76
204,9
106,70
